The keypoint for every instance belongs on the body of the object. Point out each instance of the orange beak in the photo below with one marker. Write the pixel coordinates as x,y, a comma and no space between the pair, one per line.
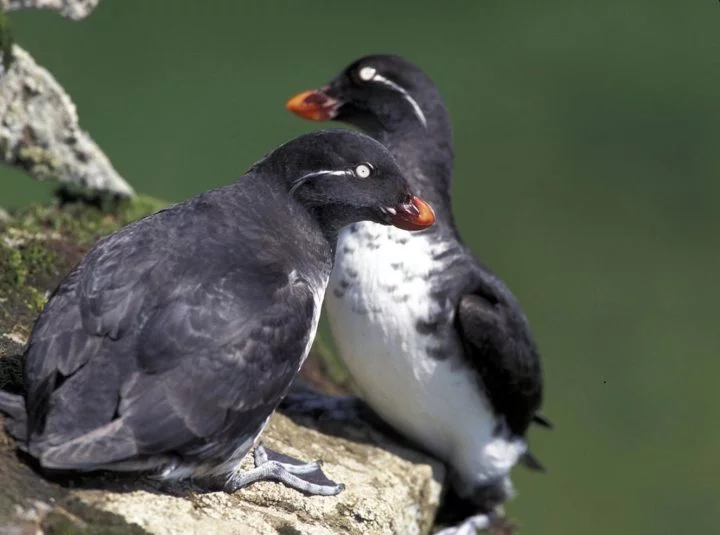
413,214
314,105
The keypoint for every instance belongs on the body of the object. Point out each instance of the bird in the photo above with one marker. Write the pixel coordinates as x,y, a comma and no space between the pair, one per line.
437,345
169,346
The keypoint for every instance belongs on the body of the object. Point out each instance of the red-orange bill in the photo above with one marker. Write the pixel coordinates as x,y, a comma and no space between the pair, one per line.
415,214
314,105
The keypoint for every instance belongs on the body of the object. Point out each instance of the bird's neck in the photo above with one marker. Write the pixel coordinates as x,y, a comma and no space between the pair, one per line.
426,158
315,238
330,221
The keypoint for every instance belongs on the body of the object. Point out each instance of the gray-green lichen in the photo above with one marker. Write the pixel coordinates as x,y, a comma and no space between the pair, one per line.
40,133
72,9
40,244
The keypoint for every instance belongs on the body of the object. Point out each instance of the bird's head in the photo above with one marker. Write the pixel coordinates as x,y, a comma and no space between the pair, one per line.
345,177
380,93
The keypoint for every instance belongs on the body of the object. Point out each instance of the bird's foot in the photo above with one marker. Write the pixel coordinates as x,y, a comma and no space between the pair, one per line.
493,523
270,465
470,526
305,402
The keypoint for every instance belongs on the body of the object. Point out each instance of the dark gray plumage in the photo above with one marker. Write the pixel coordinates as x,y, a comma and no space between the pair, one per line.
172,342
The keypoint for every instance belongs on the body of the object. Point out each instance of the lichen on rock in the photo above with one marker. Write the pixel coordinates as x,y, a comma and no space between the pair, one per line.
72,9
40,133
40,244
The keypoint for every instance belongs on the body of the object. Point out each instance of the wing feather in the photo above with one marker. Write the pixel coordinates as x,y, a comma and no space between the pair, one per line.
499,346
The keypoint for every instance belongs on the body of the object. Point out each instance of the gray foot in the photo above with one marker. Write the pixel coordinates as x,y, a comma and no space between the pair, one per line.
492,522
269,465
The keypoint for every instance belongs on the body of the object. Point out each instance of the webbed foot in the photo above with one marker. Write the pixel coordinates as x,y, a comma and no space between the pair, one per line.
270,465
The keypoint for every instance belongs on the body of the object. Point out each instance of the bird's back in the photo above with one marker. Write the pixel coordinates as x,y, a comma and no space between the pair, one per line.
221,252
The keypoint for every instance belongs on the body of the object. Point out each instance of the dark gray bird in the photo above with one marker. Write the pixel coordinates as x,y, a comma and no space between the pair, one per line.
438,346
169,346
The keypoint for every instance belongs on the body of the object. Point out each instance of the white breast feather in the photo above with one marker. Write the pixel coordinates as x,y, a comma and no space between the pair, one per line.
318,291
373,309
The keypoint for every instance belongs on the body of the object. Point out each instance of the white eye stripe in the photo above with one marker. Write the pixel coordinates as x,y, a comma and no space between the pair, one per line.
300,181
318,173
416,107
370,74
363,170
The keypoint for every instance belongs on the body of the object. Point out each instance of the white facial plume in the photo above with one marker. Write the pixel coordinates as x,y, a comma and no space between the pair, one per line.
370,74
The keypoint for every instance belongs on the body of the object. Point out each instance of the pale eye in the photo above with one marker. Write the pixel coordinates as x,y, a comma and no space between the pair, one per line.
362,170
367,73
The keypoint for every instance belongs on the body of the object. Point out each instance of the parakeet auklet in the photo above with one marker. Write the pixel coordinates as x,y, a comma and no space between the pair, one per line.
438,346
171,343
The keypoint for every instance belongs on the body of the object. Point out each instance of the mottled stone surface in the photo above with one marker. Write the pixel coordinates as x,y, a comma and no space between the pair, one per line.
40,132
72,9
388,490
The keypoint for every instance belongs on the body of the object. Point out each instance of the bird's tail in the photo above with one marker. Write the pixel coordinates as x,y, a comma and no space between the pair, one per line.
528,459
542,421
13,406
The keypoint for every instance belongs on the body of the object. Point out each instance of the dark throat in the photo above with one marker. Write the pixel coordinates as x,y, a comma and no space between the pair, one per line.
427,160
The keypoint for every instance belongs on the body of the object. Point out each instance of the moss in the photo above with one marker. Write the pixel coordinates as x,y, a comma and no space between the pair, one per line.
41,243
16,270
18,301
140,206
26,263
82,222
36,299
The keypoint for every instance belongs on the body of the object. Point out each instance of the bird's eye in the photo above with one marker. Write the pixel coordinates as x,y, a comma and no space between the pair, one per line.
363,170
367,73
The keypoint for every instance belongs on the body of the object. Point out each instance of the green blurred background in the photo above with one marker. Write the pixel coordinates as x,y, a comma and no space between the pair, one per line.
587,156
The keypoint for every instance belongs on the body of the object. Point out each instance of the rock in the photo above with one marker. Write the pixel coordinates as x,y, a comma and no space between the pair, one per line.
40,133
72,9
388,490
389,487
